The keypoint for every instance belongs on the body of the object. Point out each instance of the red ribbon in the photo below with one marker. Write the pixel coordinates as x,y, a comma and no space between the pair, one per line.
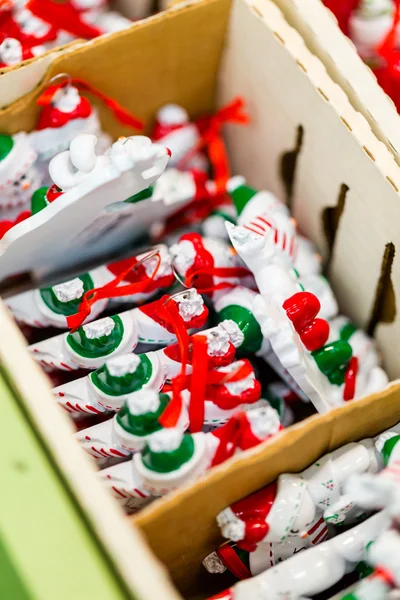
198,383
62,16
211,139
222,272
122,114
350,379
172,412
384,575
231,560
216,377
111,290
229,435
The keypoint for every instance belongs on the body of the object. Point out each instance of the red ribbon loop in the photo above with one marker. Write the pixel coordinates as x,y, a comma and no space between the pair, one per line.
222,272
229,435
170,313
111,290
121,113
211,139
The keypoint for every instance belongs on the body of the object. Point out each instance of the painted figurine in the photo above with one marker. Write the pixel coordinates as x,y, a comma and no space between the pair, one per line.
171,459
288,515
317,569
50,307
108,437
174,130
92,344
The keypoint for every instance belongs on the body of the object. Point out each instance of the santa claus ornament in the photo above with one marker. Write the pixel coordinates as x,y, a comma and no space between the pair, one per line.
65,113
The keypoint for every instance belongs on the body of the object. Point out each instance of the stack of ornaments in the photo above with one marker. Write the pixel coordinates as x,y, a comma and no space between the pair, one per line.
315,531
29,28
25,184
374,27
219,334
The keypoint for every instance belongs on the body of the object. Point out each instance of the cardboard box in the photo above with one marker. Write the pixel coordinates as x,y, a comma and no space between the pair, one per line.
306,143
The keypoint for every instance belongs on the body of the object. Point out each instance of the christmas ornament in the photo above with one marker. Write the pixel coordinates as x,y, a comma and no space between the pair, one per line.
173,129
19,176
295,503
371,377
107,388
206,263
12,51
243,564
50,307
172,459
317,569
88,346
381,491
369,24
131,428
65,113
85,178
29,29
109,437
262,216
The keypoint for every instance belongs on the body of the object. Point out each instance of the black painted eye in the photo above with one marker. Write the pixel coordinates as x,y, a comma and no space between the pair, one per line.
295,531
23,177
16,183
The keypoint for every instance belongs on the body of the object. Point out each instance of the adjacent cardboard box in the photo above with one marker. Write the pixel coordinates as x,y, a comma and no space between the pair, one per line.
308,144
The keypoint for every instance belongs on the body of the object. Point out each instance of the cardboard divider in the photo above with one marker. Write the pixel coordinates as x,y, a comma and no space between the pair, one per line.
332,132
182,529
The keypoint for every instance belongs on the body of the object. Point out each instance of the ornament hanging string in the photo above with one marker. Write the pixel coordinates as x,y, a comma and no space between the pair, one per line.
62,16
111,290
221,272
211,140
121,113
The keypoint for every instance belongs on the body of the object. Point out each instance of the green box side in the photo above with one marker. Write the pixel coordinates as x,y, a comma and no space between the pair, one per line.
47,550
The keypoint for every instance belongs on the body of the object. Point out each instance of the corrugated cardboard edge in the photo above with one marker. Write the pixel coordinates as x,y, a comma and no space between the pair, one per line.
142,575
331,91
323,36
